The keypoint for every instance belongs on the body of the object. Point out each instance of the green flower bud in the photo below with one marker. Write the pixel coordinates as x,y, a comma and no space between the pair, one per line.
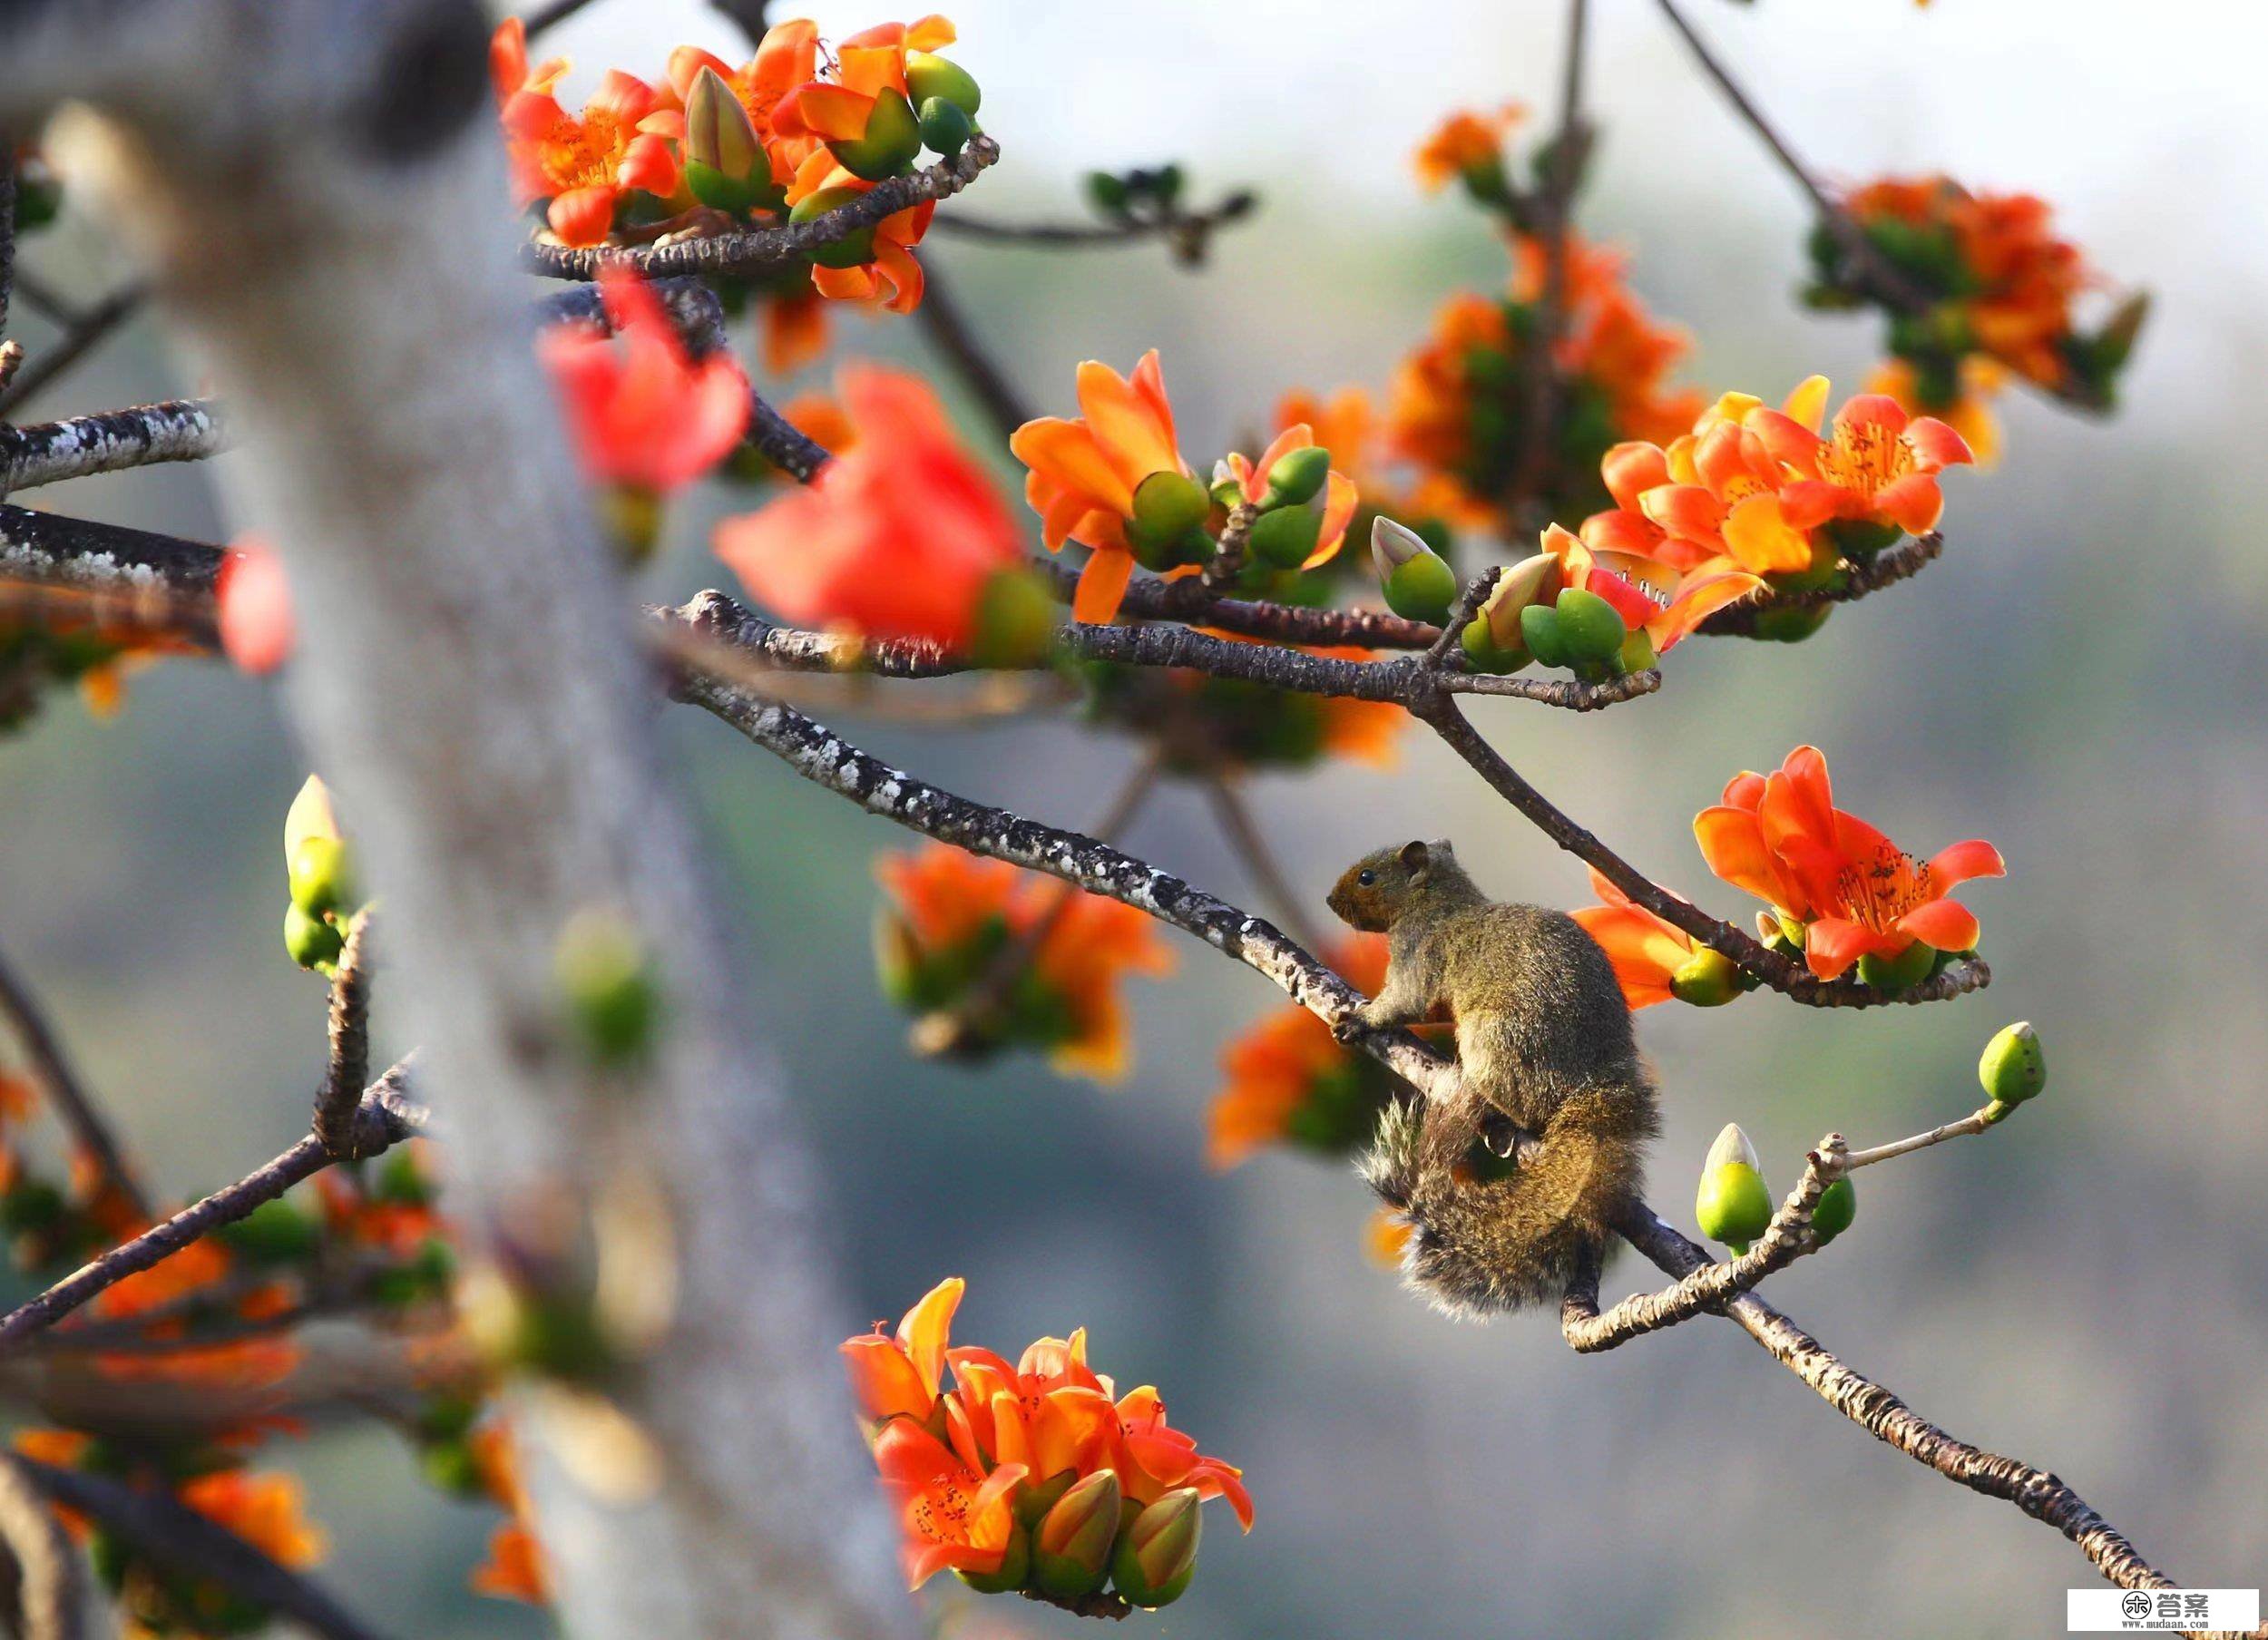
320,879
1071,1548
607,982
1015,619
1421,590
309,815
311,941
853,250
1708,978
1107,192
1734,1205
1589,629
1534,580
1838,1205
1157,1557
1540,630
1417,582
1904,971
1637,654
892,138
1856,539
1791,625
725,162
1035,1499
2116,339
945,127
929,76
1286,537
1296,477
1015,1562
1484,654
1167,505
2014,1066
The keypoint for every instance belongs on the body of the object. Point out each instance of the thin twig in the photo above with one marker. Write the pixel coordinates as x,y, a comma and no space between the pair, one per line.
385,1116
59,1083
7,234
1786,1238
1228,560
85,333
348,1066
1251,847
170,1532
1554,214
948,325
1976,1121
1179,226
1901,562
1891,285
50,1599
758,249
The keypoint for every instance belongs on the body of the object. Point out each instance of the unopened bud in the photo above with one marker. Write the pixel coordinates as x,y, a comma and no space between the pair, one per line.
892,138
2014,1067
1015,619
2116,341
311,942
1071,1549
1708,978
1838,1205
928,75
1590,629
1734,1205
1540,630
320,875
855,250
946,128
1158,1556
1168,505
1296,475
1904,971
725,162
1286,537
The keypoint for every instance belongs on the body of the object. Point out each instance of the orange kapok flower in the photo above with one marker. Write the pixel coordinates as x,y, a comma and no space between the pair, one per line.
1463,141
268,1510
1853,892
584,164
1086,469
1877,465
1646,952
951,1514
1339,496
1154,1457
1049,1412
897,538
1289,1063
644,415
514,1569
889,277
1970,414
897,1377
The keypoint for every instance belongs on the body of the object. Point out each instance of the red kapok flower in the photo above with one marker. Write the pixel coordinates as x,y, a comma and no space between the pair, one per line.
584,164
1338,500
787,55
897,538
508,69
1877,466
253,608
1462,141
644,414
1646,952
1853,892
1086,469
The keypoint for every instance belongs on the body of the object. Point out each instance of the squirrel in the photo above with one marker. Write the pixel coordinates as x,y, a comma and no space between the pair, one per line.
1543,1036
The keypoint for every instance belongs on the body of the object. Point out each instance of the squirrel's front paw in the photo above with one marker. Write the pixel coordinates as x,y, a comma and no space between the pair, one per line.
1347,1026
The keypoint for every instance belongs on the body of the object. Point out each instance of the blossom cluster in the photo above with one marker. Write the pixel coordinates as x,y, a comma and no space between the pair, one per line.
1009,960
1036,1477
794,132
1985,286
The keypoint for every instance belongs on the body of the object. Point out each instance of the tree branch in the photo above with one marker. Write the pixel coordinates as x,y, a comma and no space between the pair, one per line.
384,1116
1188,231
337,1106
173,1533
759,248
178,430
59,1083
79,337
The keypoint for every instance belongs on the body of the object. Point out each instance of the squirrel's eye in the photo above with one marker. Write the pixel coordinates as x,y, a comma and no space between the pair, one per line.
1366,878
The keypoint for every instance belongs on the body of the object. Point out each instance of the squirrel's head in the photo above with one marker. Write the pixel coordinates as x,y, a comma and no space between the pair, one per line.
1379,887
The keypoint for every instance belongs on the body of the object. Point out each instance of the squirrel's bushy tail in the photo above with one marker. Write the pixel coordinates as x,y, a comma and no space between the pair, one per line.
1480,1245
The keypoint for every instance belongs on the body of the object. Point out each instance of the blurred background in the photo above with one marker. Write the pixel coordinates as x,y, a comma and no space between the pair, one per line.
2082,680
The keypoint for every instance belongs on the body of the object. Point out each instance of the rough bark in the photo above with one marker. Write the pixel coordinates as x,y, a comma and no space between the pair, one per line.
317,188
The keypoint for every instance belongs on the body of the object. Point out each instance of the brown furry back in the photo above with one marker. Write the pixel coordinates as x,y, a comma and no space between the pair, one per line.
1479,1246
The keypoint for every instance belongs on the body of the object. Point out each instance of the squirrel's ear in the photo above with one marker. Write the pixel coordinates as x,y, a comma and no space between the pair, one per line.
1416,858
1440,845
